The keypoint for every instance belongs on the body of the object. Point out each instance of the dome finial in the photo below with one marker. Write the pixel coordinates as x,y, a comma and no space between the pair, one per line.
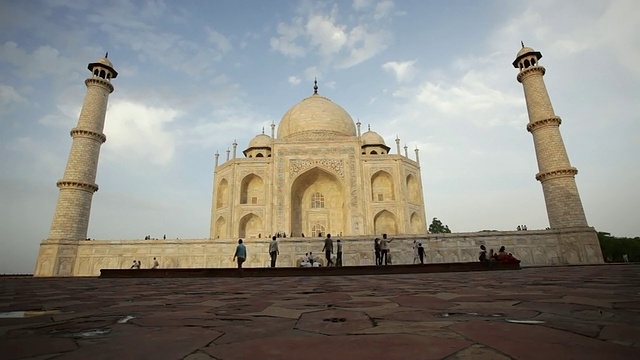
106,56
522,43
315,86
369,127
263,129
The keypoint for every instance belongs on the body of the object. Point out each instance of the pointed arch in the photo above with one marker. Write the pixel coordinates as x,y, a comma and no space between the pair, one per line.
252,190
385,223
221,228
250,226
222,196
413,189
382,188
417,226
317,202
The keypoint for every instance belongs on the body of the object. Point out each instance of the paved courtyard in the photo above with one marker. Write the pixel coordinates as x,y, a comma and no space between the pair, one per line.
577,312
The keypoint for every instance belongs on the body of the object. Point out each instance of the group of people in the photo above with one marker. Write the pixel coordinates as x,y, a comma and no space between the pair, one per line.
137,264
381,250
501,256
240,254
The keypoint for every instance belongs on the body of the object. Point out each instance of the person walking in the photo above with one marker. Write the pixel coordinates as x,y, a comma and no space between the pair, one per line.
421,253
416,257
155,264
273,251
338,253
328,249
240,254
384,249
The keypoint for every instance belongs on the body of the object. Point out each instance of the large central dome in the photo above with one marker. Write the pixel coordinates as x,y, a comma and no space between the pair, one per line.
316,116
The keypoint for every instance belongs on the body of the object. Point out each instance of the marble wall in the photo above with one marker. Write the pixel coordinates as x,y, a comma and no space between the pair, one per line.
540,247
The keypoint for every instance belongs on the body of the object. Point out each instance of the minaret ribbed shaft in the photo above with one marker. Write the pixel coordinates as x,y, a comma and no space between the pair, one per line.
556,174
71,217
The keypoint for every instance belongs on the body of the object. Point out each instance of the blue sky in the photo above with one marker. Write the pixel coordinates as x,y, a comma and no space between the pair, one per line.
195,75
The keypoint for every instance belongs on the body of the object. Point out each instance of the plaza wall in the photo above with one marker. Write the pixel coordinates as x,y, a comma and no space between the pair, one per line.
539,247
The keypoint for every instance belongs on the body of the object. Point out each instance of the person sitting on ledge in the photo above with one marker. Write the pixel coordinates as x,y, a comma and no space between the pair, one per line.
482,256
504,257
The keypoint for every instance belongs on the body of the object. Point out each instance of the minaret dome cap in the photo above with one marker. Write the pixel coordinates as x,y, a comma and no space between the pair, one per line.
525,51
106,63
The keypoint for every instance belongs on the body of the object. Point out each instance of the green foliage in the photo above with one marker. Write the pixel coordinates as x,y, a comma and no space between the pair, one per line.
614,247
437,227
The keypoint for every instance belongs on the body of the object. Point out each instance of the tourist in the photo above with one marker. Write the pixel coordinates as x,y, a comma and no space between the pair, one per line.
504,257
376,248
135,265
482,256
421,253
625,257
240,254
273,251
305,261
328,249
311,258
339,253
384,250
415,252
155,264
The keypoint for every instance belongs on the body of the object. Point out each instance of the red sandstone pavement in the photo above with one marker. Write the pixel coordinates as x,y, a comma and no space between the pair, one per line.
580,312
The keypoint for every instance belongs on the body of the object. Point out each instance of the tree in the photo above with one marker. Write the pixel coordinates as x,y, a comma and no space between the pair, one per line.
613,247
437,227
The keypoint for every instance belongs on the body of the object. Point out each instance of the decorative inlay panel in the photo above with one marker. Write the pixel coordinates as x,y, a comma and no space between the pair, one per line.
299,166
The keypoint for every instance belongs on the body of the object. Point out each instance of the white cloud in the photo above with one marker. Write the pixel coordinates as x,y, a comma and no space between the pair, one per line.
363,45
293,80
471,95
9,95
285,42
404,71
137,132
383,9
220,40
361,4
312,72
324,34
338,43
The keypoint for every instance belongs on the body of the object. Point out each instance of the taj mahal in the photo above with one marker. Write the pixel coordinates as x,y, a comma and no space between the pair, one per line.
318,173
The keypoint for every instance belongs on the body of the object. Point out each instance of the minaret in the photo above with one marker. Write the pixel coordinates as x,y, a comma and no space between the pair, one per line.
556,174
71,218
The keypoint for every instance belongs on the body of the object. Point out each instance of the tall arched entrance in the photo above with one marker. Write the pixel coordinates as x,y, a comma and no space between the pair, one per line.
317,204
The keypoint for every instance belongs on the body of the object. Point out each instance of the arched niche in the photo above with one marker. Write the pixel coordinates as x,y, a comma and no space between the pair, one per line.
417,226
222,196
317,201
382,188
385,223
250,226
252,190
221,228
413,189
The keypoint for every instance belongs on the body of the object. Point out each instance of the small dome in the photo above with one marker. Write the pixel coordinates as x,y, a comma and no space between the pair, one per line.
316,114
372,138
104,62
524,50
260,141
